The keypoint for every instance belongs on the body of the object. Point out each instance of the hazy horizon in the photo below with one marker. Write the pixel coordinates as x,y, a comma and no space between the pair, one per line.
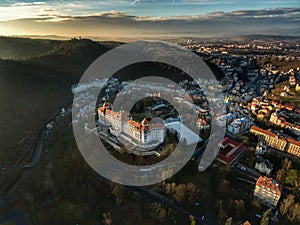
121,19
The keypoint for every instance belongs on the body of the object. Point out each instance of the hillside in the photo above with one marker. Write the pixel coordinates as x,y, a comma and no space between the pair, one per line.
61,188
22,48
34,89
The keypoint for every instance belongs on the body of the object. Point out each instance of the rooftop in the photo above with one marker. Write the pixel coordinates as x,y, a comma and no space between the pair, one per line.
269,184
230,150
258,129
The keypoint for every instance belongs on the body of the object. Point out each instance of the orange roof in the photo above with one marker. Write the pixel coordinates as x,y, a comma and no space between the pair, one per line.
262,131
202,121
144,125
294,142
268,183
247,223
120,115
138,125
101,109
134,123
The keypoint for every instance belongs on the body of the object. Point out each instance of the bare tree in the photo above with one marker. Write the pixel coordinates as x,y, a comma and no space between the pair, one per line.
169,187
280,175
239,206
265,219
118,193
229,221
222,213
294,212
161,215
286,204
179,194
192,191
286,164
107,218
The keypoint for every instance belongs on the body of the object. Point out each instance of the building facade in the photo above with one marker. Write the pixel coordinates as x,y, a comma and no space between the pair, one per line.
230,150
293,147
261,148
202,124
239,125
270,139
141,134
264,166
267,191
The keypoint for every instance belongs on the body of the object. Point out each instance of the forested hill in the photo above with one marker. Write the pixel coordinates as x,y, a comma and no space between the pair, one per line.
34,89
35,80
22,48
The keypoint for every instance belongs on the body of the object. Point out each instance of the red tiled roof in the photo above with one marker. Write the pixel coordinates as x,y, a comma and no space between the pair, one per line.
289,107
101,109
294,142
258,129
134,123
144,125
232,150
265,182
202,121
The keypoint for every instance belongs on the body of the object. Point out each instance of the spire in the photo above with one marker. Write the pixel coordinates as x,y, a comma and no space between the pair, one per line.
145,121
107,105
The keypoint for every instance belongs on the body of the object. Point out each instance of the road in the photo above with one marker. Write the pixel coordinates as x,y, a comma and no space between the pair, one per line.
16,216
36,153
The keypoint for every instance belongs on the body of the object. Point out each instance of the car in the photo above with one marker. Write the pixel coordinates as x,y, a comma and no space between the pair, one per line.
258,215
243,168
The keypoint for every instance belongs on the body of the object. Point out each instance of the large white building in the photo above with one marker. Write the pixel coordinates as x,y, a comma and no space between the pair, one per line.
140,134
225,119
239,125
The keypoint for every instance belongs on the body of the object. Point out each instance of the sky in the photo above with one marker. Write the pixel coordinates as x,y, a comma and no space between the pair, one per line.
149,18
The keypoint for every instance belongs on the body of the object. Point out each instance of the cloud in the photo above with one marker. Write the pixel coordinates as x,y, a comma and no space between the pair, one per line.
121,24
27,3
240,14
135,2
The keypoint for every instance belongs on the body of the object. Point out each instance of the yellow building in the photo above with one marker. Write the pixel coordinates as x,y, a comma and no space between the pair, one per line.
293,147
270,139
284,144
